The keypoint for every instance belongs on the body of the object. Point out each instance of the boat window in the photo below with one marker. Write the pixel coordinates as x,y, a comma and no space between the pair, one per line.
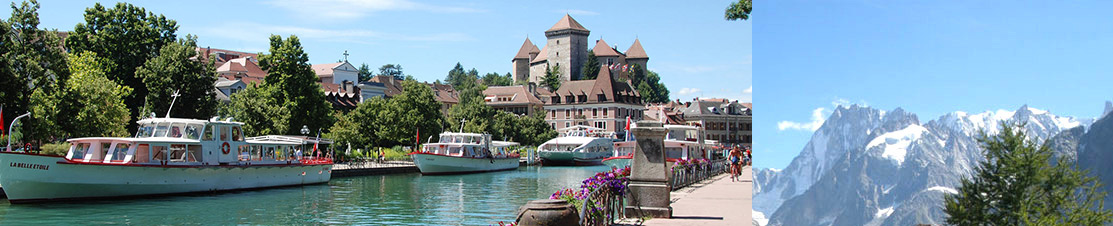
120,151
455,151
176,132
236,134
192,132
145,131
160,131
209,132
178,153
674,153
224,133
158,153
79,151
194,153
270,153
141,153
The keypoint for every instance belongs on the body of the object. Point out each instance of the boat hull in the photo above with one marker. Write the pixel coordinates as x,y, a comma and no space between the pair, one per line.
434,164
618,162
35,178
568,158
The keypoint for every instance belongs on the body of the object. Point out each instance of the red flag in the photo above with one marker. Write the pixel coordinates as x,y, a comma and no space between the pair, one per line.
418,138
2,130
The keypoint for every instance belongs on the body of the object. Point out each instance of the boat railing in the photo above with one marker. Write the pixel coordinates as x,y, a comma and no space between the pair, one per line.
684,174
316,160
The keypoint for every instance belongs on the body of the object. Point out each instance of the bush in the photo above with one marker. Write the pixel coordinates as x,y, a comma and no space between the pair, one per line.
59,149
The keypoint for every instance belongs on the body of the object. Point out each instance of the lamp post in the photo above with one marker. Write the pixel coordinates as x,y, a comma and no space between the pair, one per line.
305,130
9,147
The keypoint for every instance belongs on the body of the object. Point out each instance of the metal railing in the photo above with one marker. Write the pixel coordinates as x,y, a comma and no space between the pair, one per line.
370,163
682,176
603,206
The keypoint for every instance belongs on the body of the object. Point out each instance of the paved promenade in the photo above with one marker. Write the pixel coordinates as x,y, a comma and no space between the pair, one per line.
717,201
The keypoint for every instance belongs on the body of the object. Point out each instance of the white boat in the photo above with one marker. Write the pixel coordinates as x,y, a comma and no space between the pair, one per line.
682,142
458,153
167,156
577,145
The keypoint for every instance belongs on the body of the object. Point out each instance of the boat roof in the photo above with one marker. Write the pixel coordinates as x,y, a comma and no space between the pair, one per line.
503,143
461,134
681,127
287,139
133,139
215,120
572,140
579,127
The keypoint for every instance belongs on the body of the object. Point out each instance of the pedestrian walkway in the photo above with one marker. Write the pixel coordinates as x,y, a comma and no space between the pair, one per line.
717,201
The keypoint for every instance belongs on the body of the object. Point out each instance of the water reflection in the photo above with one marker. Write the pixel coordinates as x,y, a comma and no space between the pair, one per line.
403,199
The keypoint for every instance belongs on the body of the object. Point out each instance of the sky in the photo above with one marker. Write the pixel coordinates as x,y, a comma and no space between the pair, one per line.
695,51
927,57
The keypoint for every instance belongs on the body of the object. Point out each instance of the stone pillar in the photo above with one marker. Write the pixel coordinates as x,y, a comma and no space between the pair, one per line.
649,188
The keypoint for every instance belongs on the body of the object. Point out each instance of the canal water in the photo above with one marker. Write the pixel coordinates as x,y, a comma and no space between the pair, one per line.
400,199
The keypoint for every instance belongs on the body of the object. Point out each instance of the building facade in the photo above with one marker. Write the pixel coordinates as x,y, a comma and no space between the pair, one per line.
519,100
603,103
728,122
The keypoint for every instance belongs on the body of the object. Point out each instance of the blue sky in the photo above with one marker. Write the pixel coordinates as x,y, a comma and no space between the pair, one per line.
689,44
928,57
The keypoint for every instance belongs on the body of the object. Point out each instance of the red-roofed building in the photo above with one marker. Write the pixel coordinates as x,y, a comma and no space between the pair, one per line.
566,47
603,103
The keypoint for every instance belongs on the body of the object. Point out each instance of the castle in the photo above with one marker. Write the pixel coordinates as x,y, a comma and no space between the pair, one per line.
566,47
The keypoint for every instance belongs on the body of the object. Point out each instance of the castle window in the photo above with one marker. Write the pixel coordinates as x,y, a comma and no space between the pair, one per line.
605,112
602,98
583,98
556,100
567,114
552,114
594,112
610,61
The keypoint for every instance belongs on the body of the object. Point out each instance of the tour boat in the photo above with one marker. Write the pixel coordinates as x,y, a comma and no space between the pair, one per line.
458,153
680,143
166,156
577,145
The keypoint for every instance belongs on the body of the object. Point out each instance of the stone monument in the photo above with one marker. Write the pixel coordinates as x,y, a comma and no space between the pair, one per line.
649,188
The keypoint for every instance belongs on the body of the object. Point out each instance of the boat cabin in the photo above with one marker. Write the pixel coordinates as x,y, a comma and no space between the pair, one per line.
175,141
472,145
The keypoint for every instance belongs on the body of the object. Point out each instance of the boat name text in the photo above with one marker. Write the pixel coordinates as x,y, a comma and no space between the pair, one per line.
30,166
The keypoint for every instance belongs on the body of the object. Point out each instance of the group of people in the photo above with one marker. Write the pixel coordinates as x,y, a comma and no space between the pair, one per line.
739,157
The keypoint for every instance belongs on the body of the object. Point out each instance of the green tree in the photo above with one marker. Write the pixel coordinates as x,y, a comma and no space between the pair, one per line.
392,70
494,79
739,10
31,60
591,67
365,73
128,36
357,127
552,78
456,77
293,83
260,113
92,105
398,121
1017,185
173,70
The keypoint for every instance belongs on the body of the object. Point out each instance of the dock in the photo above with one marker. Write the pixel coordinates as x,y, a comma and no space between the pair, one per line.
717,201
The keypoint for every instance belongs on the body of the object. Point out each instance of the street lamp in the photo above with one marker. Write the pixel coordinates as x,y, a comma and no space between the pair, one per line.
305,130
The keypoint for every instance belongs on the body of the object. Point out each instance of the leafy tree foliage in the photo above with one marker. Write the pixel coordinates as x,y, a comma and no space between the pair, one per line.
357,127
552,78
392,70
648,83
415,108
292,83
128,36
739,10
31,60
261,113
1017,185
90,104
365,73
460,79
591,67
173,70
494,79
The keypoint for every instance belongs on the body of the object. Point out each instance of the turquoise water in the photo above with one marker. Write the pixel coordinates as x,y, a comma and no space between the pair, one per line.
401,199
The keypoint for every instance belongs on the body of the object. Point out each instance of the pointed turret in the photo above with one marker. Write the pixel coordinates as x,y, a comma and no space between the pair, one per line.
603,50
636,51
527,51
567,23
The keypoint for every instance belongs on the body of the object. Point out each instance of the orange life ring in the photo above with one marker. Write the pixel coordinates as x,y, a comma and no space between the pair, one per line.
226,148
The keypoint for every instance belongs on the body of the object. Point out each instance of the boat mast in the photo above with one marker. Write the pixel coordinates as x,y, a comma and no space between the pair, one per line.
462,121
175,95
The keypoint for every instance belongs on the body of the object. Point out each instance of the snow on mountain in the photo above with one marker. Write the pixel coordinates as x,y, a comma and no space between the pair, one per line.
885,168
897,142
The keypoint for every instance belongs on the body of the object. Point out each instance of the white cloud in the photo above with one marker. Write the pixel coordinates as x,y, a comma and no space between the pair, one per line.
351,9
688,91
846,103
748,90
818,117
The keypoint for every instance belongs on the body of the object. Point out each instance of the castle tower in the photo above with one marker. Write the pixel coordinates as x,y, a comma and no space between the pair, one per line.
520,63
567,47
607,55
636,55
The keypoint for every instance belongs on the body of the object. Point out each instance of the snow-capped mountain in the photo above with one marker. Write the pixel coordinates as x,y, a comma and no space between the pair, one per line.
864,166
